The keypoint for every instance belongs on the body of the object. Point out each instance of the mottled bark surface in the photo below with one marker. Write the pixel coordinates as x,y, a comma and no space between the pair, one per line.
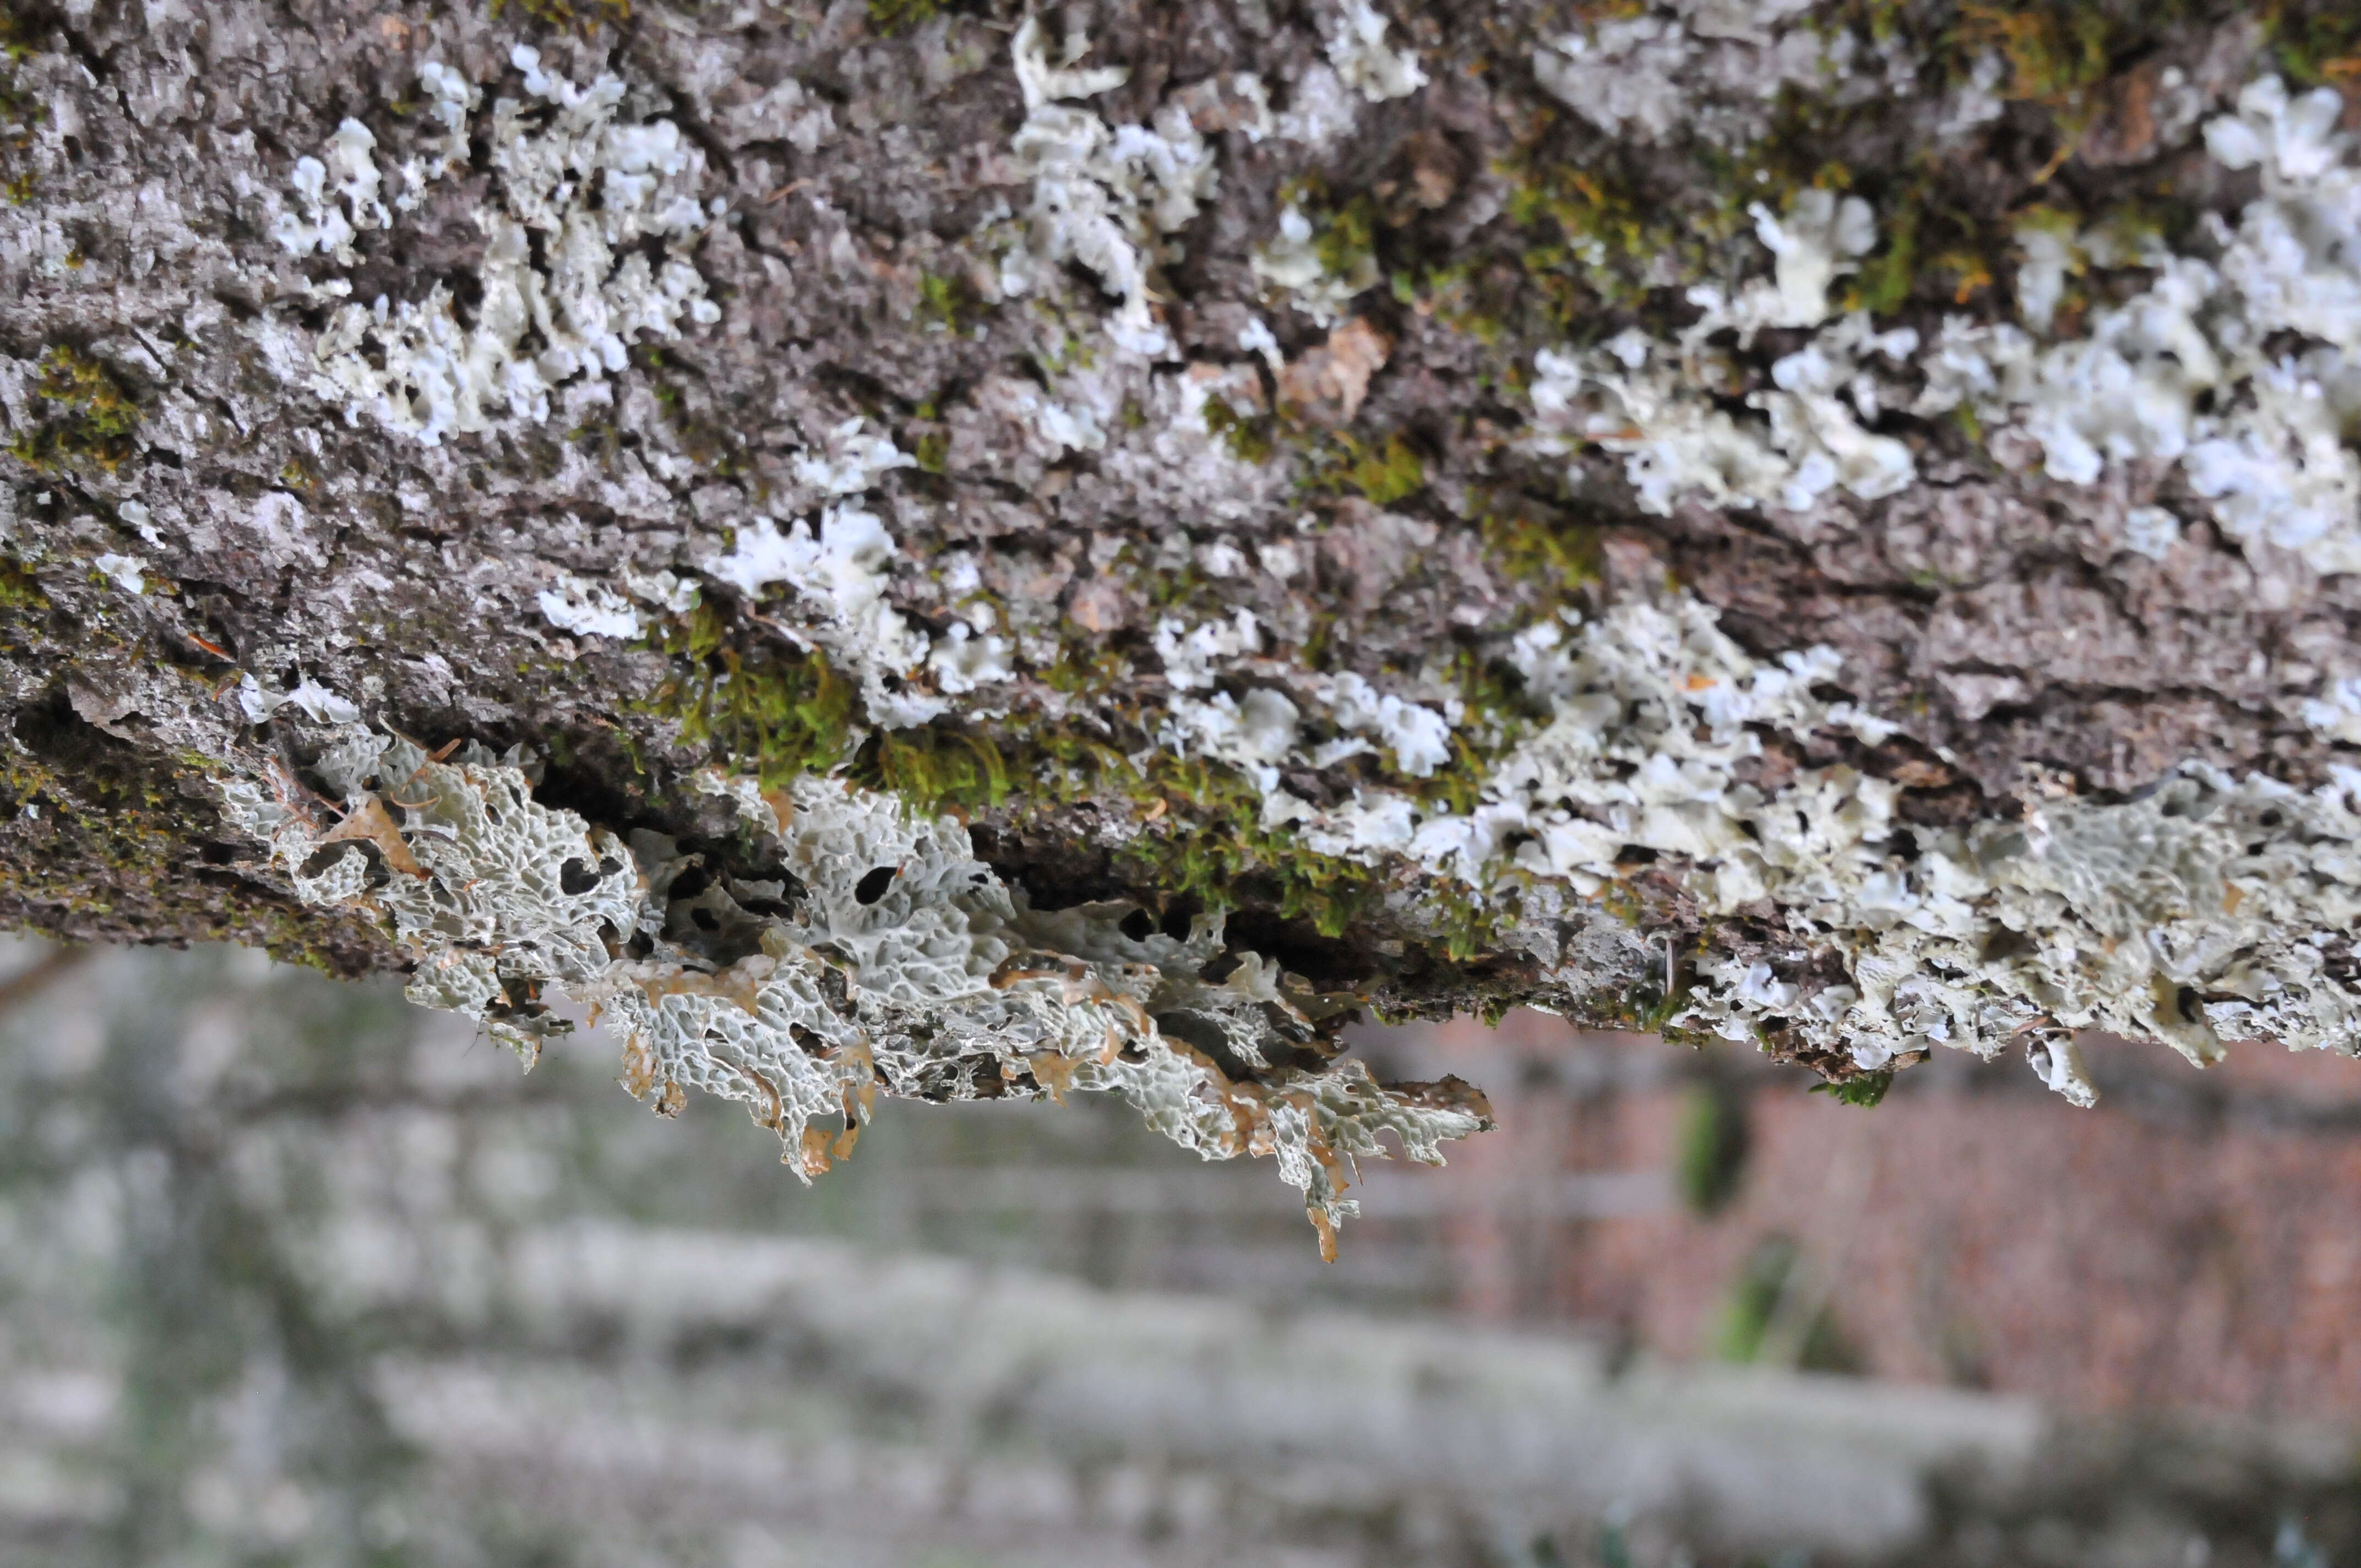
1363,489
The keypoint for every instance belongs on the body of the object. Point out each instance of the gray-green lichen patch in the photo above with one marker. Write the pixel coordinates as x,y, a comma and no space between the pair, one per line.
879,955
2210,909
496,895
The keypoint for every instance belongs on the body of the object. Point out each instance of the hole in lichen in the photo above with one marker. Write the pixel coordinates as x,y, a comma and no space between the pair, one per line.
1205,1034
1138,925
2005,943
576,876
1635,855
320,860
873,887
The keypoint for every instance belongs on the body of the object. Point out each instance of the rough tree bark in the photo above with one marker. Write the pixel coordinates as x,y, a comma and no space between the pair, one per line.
975,550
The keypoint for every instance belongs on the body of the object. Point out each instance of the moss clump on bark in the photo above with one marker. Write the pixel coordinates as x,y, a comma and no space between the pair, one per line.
92,421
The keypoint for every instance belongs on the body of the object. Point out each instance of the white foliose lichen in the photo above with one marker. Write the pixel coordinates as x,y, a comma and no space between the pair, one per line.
1654,710
1105,196
880,956
1418,736
308,698
2196,369
841,570
1704,68
588,609
1365,61
128,573
2211,908
497,896
1292,264
1622,71
1654,401
2241,365
581,194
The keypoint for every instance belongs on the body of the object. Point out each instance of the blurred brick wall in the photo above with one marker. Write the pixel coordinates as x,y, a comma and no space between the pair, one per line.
2194,1241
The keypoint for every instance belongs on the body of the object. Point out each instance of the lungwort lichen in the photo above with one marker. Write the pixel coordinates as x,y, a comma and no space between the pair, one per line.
872,953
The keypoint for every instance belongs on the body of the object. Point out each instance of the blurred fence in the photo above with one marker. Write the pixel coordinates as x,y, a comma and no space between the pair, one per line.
295,1275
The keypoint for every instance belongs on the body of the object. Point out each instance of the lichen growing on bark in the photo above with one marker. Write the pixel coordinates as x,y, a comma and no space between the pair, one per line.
867,951
1824,524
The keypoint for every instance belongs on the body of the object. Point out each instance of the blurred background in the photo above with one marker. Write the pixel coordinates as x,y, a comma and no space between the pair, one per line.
295,1274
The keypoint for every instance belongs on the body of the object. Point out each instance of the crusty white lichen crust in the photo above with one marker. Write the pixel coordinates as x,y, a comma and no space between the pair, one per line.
880,955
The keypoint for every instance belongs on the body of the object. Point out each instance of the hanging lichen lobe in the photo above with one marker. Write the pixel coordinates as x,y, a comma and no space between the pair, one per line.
867,951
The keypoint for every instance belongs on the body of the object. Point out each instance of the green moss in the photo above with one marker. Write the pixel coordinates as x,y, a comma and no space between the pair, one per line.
1386,474
1209,846
945,303
1709,1153
1595,232
1538,547
1252,438
1172,589
1474,297
1083,669
90,419
20,112
2318,43
2054,52
1202,839
1862,1088
1888,273
19,590
1345,235
1466,923
937,768
98,838
892,16
776,712
585,16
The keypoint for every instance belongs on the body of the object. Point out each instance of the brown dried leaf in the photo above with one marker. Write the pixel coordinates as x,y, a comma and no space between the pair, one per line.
1329,383
372,822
